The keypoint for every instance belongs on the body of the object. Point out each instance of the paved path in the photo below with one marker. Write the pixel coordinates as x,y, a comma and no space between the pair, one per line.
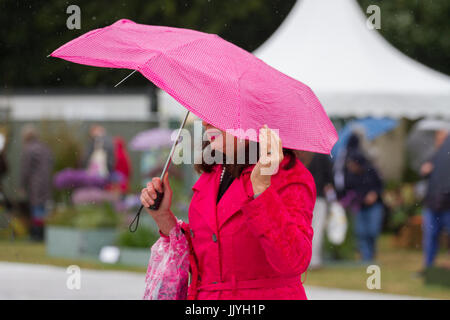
28,281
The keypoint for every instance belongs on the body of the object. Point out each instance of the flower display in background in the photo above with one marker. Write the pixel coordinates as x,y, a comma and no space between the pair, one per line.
77,178
92,195
131,201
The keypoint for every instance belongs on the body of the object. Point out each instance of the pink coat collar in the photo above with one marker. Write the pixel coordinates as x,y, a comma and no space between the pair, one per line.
239,192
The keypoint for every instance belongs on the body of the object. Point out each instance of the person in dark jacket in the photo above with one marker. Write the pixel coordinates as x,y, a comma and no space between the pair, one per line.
363,190
35,178
436,213
340,170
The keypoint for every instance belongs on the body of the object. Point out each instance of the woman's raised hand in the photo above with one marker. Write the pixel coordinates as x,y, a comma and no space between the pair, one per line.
163,217
270,157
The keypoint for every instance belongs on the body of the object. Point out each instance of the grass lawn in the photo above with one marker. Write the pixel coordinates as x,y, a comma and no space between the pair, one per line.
397,266
397,269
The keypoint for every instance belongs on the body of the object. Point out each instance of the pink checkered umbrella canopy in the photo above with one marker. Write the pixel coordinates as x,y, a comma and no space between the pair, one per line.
219,82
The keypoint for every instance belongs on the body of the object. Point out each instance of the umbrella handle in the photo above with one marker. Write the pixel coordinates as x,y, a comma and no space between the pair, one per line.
155,206
158,200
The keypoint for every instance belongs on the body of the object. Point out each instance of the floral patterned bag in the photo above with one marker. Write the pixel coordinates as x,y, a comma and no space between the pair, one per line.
168,268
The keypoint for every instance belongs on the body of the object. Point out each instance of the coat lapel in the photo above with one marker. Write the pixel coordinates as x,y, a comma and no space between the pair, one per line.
233,199
239,192
207,187
205,195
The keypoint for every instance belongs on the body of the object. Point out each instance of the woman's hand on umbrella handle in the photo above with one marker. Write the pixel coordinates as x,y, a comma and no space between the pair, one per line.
163,217
270,157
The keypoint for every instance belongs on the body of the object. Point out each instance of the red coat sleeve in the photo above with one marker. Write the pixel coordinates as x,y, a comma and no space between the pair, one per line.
281,218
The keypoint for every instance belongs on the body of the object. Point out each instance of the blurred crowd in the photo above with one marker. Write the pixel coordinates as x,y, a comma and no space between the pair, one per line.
103,156
353,182
350,183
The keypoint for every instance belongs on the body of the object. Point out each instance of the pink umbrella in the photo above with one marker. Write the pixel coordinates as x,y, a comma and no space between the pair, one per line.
219,82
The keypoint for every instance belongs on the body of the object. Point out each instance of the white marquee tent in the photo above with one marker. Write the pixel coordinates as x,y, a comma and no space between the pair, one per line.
355,72
77,106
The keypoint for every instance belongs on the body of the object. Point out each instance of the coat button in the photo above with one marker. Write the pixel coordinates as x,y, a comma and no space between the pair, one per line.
214,237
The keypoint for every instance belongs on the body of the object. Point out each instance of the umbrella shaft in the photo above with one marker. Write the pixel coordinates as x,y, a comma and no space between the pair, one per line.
169,159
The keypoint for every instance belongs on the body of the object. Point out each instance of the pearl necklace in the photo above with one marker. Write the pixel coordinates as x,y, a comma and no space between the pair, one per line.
221,176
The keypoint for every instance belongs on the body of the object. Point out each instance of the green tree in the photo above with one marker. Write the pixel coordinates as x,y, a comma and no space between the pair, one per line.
33,29
418,28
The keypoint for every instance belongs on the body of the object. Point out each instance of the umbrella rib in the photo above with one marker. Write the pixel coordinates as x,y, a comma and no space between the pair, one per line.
125,78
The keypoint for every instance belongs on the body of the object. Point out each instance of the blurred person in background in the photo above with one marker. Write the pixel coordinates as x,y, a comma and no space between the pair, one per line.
122,168
99,152
363,189
36,168
340,170
321,169
3,171
436,211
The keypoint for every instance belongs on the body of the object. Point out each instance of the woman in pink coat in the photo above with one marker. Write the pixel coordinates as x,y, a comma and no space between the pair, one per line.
251,231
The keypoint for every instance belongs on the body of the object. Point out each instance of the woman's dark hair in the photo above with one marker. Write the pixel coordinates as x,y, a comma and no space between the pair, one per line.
236,168
353,142
357,157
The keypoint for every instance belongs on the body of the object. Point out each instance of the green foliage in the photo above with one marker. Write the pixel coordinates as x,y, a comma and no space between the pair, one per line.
402,203
419,29
66,147
62,217
86,216
62,140
144,237
398,219
33,29
180,200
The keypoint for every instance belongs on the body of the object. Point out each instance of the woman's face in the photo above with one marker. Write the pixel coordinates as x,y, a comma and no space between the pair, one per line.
220,140
354,167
